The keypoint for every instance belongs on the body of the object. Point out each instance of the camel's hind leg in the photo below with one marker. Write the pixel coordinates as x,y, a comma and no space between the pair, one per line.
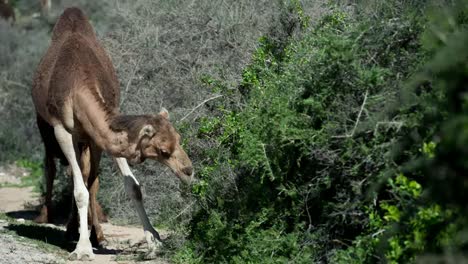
92,156
51,151
46,214
72,233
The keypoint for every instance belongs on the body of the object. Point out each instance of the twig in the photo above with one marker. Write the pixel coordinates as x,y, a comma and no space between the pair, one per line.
396,124
267,161
307,210
135,68
341,242
183,211
357,119
378,233
199,105
360,112
17,84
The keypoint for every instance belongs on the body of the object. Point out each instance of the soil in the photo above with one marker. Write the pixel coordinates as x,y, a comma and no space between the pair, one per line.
125,243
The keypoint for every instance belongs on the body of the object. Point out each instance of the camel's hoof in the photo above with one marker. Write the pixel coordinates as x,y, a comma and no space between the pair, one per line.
103,243
153,249
85,254
81,256
157,245
43,217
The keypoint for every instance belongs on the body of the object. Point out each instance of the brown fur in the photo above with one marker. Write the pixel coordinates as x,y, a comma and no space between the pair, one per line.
72,49
73,58
75,86
133,124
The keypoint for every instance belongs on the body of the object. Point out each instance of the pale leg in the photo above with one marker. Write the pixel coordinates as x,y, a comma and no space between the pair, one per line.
132,187
83,250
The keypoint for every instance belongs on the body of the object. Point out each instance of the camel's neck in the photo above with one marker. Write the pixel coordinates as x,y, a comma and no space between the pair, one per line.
126,129
114,133
118,136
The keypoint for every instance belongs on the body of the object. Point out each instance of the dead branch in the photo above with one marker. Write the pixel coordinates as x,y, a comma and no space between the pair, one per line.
17,84
389,124
199,105
130,79
357,119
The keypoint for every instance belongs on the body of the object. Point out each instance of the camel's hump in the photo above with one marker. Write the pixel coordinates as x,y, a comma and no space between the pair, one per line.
72,20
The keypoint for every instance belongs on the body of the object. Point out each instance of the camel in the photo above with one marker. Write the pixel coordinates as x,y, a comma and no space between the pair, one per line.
76,94
6,11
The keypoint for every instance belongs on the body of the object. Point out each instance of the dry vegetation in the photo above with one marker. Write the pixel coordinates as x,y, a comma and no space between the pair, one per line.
162,50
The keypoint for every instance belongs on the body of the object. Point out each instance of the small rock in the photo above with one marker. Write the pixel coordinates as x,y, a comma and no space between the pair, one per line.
20,220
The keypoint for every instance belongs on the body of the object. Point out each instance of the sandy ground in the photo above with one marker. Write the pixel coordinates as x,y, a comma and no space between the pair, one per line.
125,242
13,199
10,252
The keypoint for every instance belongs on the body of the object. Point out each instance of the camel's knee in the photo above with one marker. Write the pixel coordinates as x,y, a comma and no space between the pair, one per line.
132,188
81,197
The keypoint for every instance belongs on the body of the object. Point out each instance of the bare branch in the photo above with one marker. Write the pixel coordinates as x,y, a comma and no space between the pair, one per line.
357,119
389,124
199,105
267,161
130,79
184,210
17,84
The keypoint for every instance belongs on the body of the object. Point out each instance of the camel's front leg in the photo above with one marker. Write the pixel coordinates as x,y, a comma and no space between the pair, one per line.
83,250
132,187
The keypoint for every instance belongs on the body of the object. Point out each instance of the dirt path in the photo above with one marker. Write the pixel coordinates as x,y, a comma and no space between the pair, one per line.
14,199
124,242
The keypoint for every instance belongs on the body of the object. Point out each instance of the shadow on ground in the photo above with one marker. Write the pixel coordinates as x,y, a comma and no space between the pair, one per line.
25,214
49,235
31,214
53,236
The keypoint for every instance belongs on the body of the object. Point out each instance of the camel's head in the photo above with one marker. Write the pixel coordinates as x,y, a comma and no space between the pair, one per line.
160,141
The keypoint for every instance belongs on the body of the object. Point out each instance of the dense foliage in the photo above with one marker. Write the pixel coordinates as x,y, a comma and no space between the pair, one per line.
324,159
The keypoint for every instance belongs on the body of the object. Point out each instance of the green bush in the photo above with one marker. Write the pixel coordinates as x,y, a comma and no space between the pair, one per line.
309,145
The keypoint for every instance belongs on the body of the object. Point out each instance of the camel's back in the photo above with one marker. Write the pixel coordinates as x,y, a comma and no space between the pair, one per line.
74,59
72,20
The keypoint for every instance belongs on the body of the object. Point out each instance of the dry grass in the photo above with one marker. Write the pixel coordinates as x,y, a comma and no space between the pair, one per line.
160,49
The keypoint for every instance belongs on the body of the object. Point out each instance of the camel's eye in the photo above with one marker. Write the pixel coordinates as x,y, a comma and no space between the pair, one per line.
165,153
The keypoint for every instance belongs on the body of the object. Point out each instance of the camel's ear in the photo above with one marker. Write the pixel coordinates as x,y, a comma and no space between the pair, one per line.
164,113
147,130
